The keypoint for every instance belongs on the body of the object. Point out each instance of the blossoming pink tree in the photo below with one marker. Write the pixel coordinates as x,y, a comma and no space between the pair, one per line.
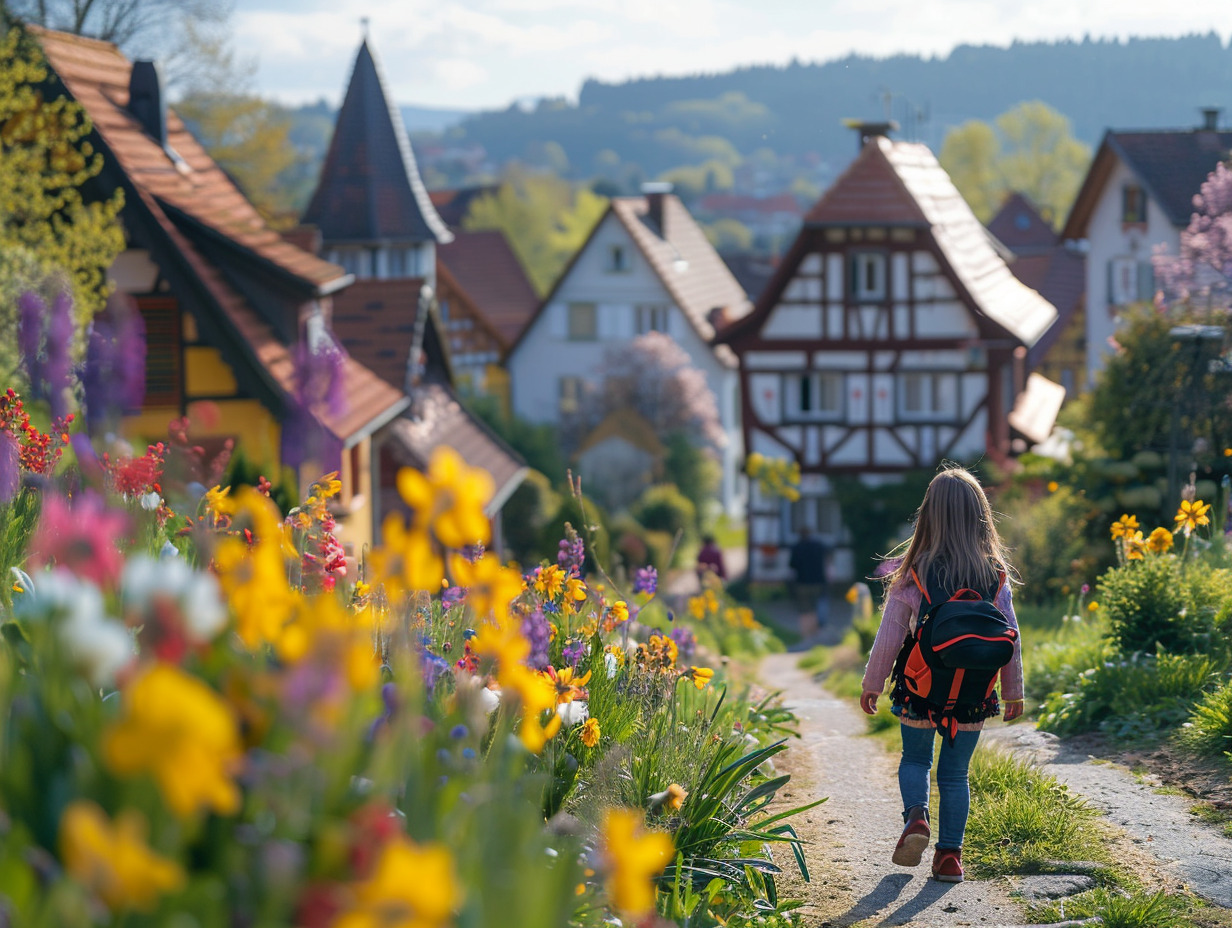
1199,277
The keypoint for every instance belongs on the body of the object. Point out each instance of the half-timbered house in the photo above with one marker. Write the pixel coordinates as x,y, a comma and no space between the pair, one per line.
892,337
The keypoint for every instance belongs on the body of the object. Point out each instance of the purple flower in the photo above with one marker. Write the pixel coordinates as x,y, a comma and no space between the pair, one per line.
574,651
113,379
59,370
432,667
10,467
473,552
31,310
536,628
686,643
1086,588
646,580
572,552
452,596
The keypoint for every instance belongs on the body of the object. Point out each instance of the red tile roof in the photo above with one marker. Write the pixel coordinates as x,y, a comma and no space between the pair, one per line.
370,189
375,321
869,192
483,264
438,419
97,74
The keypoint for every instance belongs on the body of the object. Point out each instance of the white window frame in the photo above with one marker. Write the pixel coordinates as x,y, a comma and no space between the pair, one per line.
574,331
928,396
650,317
828,385
862,262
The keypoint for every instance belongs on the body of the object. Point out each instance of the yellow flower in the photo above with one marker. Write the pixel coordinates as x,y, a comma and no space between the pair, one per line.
853,594
676,795
1134,546
1092,606
1053,486
217,504
1124,525
745,614
113,861
1159,541
617,614
407,560
449,499
697,607
634,857
1191,515
412,886
549,581
491,587
618,654
700,676
566,687
535,692
590,733
326,488
712,602
183,734
254,578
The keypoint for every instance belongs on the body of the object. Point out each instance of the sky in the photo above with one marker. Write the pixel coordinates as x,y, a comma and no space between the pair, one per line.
486,54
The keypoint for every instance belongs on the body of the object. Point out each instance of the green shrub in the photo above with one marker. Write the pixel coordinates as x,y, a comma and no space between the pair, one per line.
527,512
1131,698
1047,537
695,471
1145,604
663,508
1210,723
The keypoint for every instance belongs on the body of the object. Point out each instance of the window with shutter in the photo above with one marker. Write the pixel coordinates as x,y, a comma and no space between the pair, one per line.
163,351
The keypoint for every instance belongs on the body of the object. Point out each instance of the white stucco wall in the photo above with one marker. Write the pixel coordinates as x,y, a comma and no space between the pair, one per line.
546,354
1108,240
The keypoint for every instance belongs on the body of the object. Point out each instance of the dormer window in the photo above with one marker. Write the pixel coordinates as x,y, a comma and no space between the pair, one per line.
868,276
617,259
1133,205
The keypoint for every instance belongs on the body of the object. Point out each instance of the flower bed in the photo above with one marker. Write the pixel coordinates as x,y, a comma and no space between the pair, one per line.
217,714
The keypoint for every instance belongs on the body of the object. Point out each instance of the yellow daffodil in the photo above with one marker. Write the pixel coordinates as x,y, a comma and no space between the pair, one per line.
700,676
182,733
412,886
1124,525
549,581
1159,541
113,860
449,499
633,857
1135,546
491,586
1092,606
590,733
1192,514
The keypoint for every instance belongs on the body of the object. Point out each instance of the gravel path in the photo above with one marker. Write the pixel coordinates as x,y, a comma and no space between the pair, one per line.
1197,854
853,834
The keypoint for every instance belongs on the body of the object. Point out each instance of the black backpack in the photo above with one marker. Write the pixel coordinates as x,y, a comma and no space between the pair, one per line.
948,667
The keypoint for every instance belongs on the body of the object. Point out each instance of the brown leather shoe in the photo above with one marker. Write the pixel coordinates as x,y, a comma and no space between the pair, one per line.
914,839
947,866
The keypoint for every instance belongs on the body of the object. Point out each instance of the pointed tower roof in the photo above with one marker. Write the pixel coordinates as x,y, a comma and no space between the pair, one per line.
370,188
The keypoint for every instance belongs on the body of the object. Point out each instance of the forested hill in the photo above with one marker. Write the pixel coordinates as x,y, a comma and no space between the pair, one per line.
647,126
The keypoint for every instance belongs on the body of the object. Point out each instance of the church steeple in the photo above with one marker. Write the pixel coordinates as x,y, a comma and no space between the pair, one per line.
370,192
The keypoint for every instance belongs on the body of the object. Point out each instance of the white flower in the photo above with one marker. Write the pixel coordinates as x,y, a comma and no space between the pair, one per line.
99,646
611,663
151,501
489,700
573,713
195,592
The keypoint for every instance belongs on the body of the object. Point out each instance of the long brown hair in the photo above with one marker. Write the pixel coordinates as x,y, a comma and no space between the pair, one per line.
955,536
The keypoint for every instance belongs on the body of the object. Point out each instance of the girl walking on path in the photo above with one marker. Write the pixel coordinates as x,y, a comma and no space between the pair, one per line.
955,547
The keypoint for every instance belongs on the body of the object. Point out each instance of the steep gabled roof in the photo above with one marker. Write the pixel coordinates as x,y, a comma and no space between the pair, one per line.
370,188
1171,165
181,176
96,74
484,265
1019,226
683,259
901,183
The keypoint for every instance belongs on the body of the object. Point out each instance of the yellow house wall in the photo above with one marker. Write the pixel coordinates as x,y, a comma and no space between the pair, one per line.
206,373
355,528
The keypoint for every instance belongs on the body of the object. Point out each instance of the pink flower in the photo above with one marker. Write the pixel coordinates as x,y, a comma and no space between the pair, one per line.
80,537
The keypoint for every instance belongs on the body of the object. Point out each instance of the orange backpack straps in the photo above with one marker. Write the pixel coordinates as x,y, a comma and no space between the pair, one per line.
923,592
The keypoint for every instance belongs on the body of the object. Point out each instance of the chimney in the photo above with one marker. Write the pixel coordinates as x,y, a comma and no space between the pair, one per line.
870,130
1210,118
654,193
145,100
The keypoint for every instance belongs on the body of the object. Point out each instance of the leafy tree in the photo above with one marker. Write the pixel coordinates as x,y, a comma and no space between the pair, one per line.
1029,149
546,220
50,236
249,138
729,235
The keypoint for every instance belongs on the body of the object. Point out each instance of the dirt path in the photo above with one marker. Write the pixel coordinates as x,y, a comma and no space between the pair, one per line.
852,835
1188,850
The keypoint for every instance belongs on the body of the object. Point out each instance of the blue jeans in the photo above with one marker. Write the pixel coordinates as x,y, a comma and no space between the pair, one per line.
952,789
